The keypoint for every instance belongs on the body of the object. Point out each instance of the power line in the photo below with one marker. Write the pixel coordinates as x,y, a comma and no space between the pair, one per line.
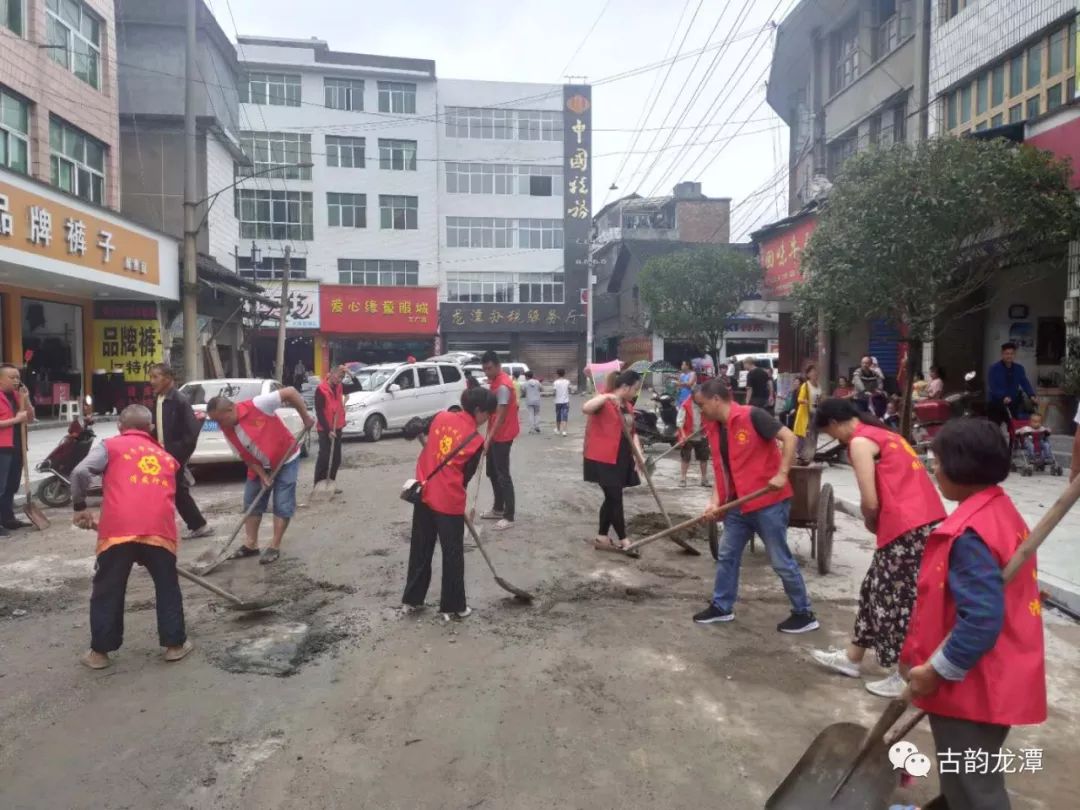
588,34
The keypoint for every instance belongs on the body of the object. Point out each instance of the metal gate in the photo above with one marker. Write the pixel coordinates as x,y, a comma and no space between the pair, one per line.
544,357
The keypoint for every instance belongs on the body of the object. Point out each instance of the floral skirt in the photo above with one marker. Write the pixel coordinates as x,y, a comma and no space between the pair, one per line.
887,596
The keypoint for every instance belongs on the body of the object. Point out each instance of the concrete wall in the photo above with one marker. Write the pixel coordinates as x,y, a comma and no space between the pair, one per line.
1043,295
222,227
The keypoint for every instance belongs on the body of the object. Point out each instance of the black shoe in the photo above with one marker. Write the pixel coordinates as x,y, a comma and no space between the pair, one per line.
17,524
799,623
712,614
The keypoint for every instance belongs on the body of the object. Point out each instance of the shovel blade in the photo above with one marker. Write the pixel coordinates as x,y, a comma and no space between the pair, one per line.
36,516
811,782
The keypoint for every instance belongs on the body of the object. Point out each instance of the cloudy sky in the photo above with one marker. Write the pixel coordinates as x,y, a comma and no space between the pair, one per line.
706,120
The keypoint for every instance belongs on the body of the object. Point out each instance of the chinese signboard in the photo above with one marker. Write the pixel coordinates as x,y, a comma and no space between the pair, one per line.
44,227
303,305
781,257
345,309
512,318
127,337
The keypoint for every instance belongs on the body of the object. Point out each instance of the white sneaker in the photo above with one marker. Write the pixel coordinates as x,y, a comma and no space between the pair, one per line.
466,613
891,687
564,433
504,524
556,431
837,661
203,531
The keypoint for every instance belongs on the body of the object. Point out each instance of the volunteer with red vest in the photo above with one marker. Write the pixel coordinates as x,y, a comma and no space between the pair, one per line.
453,438
609,459
330,419
15,412
137,525
503,428
901,505
990,675
689,422
262,440
743,441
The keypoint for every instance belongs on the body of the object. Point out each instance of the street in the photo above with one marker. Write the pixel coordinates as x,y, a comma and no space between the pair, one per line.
601,695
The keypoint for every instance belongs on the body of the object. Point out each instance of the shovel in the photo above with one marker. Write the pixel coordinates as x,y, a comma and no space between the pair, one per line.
323,491
692,522
30,509
235,602
650,464
519,594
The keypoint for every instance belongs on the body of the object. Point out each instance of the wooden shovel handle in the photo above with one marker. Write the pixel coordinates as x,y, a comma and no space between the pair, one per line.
689,524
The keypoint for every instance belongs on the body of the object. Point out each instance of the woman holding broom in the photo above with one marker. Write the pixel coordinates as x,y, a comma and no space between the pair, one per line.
609,459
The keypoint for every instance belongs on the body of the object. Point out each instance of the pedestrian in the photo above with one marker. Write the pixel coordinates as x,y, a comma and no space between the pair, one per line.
868,382
900,506
751,462
843,389
609,458
329,422
532,401
692,442
299,374
1010,394
562,401
935,389
263,441
990,674
503,428
446,464
177,429
687,382
805,405
15,412
137,524
760,392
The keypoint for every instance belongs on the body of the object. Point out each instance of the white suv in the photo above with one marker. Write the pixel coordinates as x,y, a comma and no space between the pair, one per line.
391,395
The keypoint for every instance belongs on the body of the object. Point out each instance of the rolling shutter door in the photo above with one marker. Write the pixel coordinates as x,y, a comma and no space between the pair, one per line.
544,357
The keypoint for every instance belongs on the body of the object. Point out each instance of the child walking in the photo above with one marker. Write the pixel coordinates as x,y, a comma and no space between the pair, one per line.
562,401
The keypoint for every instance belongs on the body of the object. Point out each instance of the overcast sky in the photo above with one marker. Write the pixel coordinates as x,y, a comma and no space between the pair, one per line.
740,150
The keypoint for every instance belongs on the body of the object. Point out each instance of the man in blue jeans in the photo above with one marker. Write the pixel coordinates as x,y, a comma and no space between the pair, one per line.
746,459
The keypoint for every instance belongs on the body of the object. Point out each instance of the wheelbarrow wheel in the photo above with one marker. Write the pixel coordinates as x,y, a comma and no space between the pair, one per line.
826,526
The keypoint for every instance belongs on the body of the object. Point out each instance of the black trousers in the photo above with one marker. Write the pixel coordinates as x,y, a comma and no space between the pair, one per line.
429,526
498,470
186,506
611,511
970,791
324,462
110,586
10,473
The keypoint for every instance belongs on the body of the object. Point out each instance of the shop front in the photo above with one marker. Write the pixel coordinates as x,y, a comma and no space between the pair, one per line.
60,260
302,338
373,325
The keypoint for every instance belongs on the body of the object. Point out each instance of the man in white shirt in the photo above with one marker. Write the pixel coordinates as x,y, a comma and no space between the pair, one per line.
562,402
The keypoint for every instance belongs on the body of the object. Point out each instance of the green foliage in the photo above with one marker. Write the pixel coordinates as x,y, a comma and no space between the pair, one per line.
1071,371
691,294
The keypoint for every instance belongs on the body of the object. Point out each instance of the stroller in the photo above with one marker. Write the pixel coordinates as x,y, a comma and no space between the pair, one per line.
1019,431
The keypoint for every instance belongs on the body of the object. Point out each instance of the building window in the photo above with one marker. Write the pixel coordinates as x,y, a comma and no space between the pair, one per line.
539,125
997,86
346,210
399,156
540,181
274,89
269,214
503,178
840,151
73,38
344,94
397,97
272,268
950,8
11,16
276,154
463,287
397,213
486,123
379,272
1053,97
348,153
540,234
891,125
1034,65
892,25
479,232
77,162
844,54
14,132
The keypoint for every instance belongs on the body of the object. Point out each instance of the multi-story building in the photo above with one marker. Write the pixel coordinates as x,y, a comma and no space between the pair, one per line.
79,283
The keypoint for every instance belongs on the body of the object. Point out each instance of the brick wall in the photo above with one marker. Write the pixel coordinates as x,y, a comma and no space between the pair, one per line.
703,221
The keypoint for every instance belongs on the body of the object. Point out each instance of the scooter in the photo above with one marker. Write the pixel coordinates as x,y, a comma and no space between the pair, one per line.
931,414
55,491
657,426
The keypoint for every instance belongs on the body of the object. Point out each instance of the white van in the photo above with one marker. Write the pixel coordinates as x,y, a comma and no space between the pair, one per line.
511,367
391,395
737,373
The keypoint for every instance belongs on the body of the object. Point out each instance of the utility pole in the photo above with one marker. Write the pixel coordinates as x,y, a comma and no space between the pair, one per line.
190,286
283,315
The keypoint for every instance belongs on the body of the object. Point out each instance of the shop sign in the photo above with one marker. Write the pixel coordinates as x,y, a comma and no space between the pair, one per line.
345,309
748,328
511,318
635,348
781,258
303,305
43,227
127,337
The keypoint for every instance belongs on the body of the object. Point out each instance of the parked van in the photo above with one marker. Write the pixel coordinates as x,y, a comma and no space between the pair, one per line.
391,395
511,367
738,373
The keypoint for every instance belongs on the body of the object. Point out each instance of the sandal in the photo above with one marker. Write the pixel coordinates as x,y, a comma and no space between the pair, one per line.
607,544
243,552
271,555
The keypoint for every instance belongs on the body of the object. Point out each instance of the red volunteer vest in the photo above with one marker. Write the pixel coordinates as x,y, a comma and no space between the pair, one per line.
510,426
445,492
688,428
1008,684
753,460
907,497
267,432
139,489
7,411
603,432
333,405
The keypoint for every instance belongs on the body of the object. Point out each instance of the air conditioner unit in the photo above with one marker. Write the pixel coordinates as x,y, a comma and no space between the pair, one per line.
1072,310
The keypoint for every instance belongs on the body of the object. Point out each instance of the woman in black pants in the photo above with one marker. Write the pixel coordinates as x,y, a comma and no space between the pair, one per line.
609,459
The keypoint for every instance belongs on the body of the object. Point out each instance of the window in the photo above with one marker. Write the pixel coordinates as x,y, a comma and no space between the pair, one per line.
276,154
429,376
73,38
14,132
540,186
539,125
269,214
77,162
540,234
982,93
272,268
1033,108
397,97
397,213
348,153
540,181
1053,97
11,15
951,8
1016,113
397,156
840,151
405,380
1016,75
275,89
450,374
997,86
500,124
997,120
952,103
844,54
478,287
379,272
1056,57
479,178
1034,65
893,24
479,232
346,210
892,125
965,104
540,288
344,94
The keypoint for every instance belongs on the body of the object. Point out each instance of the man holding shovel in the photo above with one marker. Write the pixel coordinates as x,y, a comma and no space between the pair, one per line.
262,440
330,417
15,412
503,428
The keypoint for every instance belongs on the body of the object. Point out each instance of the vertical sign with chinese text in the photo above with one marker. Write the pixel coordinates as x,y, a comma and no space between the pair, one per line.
577,174
781,257
127,337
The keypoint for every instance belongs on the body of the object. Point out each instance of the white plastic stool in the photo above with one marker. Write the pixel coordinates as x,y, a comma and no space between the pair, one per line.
69,410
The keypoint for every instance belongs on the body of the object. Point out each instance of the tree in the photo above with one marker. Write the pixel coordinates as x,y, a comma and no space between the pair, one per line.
690,295
914,233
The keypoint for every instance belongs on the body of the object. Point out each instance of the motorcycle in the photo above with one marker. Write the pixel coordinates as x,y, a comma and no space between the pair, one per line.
658,425
55,490
931,414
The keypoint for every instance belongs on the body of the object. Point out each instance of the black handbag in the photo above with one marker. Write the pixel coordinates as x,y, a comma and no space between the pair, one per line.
413,490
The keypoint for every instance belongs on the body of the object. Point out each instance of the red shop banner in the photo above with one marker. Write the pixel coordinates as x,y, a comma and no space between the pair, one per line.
345,309
781,257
